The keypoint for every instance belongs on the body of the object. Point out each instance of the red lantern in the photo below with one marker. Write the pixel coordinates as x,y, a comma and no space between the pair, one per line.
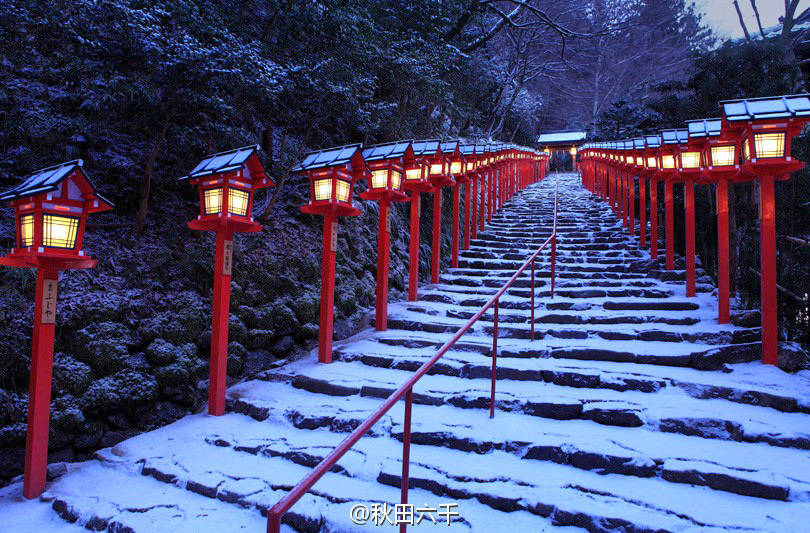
332,174
652,144
467,153
452,155
766,127
386,164
417,180
720,157
50,209
668,162
227,182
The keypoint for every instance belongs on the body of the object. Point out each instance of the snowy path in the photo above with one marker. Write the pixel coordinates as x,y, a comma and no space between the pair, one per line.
604,422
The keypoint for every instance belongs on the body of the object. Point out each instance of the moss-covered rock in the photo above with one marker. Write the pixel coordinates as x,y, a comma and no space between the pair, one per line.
70,375
104,346
125,390
160,352
186,368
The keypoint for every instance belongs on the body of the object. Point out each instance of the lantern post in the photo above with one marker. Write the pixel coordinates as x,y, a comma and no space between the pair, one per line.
451,152
721,167
667,162
652,145
50,209
227,183
690,168
481,151
630,189
332,174
417,182
638,165
386,165
467,152
766,127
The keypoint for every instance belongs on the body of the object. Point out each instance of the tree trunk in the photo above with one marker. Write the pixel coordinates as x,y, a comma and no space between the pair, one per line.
146,180
742,21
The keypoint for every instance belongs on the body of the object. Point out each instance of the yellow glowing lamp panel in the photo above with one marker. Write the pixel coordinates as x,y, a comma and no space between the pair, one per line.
379,179
628,159
436,169
396,179
769,145
652,162
455,167
59,231
746,150
668,161
722,156
212,201
323,189
639,161
413,174
690,160
26,231
238,202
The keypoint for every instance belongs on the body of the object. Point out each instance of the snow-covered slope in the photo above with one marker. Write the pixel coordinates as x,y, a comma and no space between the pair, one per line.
603,422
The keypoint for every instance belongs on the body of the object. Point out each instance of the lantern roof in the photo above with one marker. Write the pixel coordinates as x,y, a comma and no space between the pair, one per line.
450,147
627,145
480,148
392,150
706,127
49,179
797,105
638,143
674,136
653,141
225,162
424,148
561,137
329,157
467,149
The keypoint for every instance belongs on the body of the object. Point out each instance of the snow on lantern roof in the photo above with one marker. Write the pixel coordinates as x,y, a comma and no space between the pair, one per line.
449,147
48,180
797,105
467,149
678,136
707,127
392,150
561,137
627,145
653,141
222,162
330,157
423,148
638,143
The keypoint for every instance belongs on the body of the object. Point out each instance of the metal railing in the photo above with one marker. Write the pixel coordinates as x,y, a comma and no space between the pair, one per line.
275,514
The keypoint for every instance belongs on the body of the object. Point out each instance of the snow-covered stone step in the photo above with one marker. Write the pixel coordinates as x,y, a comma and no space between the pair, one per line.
627,451
521,387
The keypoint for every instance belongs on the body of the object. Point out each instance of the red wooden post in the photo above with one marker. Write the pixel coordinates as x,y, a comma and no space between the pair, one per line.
654,218
218,364
467,213
689,208
553,261
483,206
328,261
39,389
437,235
670,225
723,272
490,193
406,453
642,210
474,215
494,362
631,208
413,260
383,259
623,198
456,224
767,257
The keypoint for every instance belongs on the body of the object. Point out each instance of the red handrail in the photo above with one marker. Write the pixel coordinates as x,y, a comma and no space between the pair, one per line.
406,389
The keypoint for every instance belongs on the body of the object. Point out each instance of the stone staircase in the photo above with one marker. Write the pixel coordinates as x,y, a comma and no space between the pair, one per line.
607,421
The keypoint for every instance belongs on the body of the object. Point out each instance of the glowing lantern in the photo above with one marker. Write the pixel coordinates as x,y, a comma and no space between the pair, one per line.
50,209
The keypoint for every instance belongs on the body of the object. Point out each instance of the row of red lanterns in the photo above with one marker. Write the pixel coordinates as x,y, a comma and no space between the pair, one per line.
394,169
750,142
51,207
